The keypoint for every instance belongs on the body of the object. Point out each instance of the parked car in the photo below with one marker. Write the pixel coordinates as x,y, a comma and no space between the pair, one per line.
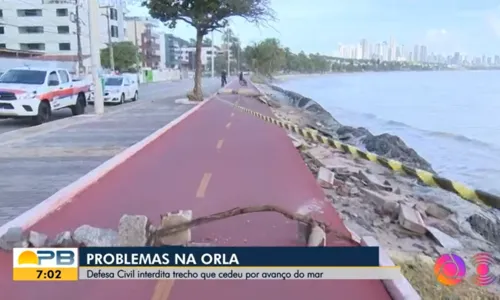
119,89
36,92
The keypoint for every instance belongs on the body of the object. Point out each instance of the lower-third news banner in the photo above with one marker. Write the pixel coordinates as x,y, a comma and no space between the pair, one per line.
204,263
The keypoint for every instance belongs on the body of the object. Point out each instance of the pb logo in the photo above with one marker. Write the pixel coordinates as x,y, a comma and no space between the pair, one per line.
45,257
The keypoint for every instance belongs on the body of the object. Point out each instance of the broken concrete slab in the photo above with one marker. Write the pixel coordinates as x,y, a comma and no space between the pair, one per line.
325,178
64,240
323,156
438,211
411,220
373,182
95,237
13,238
172,219
13,234
134,231
443,239
385,203
37,240
296,141
317,237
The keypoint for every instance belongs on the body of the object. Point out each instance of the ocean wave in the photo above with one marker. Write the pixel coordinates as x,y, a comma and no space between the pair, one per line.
430,133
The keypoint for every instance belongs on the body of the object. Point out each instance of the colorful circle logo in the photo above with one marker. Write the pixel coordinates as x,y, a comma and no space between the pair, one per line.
449,269
482,262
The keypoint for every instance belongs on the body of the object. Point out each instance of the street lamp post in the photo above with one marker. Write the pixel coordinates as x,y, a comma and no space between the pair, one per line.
213,56
95,55
110,42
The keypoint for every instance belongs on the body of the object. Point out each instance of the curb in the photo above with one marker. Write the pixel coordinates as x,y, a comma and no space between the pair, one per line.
399,289
66,194
263,97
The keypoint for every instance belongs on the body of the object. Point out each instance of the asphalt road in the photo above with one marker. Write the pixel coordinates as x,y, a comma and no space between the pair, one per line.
149,92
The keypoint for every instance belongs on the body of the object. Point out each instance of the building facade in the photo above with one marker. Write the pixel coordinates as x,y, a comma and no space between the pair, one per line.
50,26
173,51
143,33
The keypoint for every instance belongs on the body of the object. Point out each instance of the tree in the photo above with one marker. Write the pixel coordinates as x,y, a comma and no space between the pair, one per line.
125,55
207,42
206,16
265,57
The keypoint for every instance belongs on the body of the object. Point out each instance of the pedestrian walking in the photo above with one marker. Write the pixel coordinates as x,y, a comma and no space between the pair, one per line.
223,78
243,82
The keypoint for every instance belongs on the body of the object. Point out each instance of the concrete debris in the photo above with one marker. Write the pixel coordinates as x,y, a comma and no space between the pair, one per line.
342,190
13,235
64,240
438,211
323,156
13,238
172,219
443,239
354,192
411,220
373,182
385,204
134,231
95,237
317,237
398,209
37,240
297,142
325,178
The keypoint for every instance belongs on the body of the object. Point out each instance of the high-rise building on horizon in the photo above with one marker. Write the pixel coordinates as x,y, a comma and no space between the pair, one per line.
423,53
385,51
416,53
364,49
392,49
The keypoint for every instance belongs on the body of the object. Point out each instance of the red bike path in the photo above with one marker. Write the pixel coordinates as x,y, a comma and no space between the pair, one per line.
216,159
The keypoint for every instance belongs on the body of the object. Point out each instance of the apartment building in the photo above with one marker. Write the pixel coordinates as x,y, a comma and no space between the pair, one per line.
50,26
173,51
143,33
188,56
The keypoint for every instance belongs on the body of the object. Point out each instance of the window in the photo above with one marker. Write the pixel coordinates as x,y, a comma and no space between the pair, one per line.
23,77
32,46
114,31
62,12
53,79
113,81
1,13
2,30
3,46
29,12
113,14
63,29
64,46
64,76
30,29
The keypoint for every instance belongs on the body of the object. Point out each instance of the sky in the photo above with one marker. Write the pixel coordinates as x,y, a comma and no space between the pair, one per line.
471,27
